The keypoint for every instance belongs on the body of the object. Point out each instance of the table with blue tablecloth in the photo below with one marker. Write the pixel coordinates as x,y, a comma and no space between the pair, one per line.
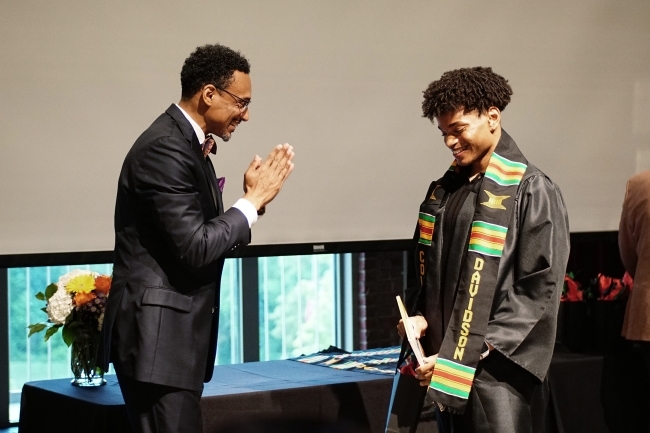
349,392
271,390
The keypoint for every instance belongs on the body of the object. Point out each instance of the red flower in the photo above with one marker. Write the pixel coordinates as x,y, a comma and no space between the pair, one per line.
573,292
103,284
628,282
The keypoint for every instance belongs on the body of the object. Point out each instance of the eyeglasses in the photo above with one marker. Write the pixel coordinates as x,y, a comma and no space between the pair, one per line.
242,104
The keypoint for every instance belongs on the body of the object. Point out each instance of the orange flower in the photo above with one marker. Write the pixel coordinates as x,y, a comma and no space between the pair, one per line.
103,284
82,298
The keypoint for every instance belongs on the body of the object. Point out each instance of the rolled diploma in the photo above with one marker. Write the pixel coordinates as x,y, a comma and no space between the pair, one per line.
415,344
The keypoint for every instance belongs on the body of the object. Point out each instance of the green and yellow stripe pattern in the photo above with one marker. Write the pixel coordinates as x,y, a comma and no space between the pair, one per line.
426,223
505,172
452,378
487,239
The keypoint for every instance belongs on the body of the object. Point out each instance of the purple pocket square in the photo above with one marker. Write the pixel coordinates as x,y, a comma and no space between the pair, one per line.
221,181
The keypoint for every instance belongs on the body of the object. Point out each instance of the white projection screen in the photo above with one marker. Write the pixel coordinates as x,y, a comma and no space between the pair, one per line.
341,81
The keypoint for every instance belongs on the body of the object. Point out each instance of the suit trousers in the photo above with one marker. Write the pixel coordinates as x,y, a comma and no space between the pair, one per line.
157,408
504,399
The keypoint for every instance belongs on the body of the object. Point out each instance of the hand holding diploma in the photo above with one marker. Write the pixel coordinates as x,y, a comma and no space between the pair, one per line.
418,324
414,328
425,371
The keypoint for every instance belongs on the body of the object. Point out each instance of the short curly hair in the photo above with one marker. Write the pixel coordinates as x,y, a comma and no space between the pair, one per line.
211,64
468,88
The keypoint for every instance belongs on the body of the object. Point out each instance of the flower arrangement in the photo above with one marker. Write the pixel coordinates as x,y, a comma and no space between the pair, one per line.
601,288
76,303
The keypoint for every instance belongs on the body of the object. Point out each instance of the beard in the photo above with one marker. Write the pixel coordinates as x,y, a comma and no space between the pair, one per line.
226,135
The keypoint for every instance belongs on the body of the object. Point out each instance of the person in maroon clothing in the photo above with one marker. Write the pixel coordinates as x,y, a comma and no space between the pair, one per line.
634,246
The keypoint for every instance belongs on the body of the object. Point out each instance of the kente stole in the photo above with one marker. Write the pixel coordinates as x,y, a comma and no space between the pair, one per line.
462,344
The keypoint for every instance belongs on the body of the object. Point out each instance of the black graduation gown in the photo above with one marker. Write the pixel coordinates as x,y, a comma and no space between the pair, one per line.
509,392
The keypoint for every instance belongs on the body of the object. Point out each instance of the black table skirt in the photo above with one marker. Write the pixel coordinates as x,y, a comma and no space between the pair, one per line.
273,389
293,390
575,403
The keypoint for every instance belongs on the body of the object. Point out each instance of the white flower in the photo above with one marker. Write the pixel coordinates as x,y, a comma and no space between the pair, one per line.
59,305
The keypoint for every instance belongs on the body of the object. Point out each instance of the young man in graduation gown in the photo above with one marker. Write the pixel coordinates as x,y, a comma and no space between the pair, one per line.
492,247
172,233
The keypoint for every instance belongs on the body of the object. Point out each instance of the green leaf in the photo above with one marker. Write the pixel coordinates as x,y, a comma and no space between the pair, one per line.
37,327
73,319
68,335
50,332
50,290
40,296
44,310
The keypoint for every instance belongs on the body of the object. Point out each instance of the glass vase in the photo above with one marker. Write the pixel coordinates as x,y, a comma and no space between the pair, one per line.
83,359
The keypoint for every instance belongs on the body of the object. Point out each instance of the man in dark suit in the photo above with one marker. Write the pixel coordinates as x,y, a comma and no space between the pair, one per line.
171,235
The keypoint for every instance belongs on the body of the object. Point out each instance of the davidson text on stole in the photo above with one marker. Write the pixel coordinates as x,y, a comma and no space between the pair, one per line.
468,315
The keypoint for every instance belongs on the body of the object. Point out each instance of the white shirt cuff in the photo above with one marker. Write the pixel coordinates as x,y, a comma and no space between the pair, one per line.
248,210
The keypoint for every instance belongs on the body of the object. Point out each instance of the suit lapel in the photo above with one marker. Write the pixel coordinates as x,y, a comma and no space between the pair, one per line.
215,185
190,135
209,173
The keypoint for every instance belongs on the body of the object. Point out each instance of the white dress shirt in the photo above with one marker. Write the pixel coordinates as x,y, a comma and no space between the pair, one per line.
245,206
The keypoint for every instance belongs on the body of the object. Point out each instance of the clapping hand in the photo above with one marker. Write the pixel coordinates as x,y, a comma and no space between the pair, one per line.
264,180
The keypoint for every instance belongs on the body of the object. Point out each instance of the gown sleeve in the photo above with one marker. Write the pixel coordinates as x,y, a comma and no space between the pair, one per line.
524,314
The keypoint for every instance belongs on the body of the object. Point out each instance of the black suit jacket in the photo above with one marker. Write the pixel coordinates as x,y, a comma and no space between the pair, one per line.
171,234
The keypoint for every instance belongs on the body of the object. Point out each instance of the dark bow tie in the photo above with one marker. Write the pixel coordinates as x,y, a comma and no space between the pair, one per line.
209,146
